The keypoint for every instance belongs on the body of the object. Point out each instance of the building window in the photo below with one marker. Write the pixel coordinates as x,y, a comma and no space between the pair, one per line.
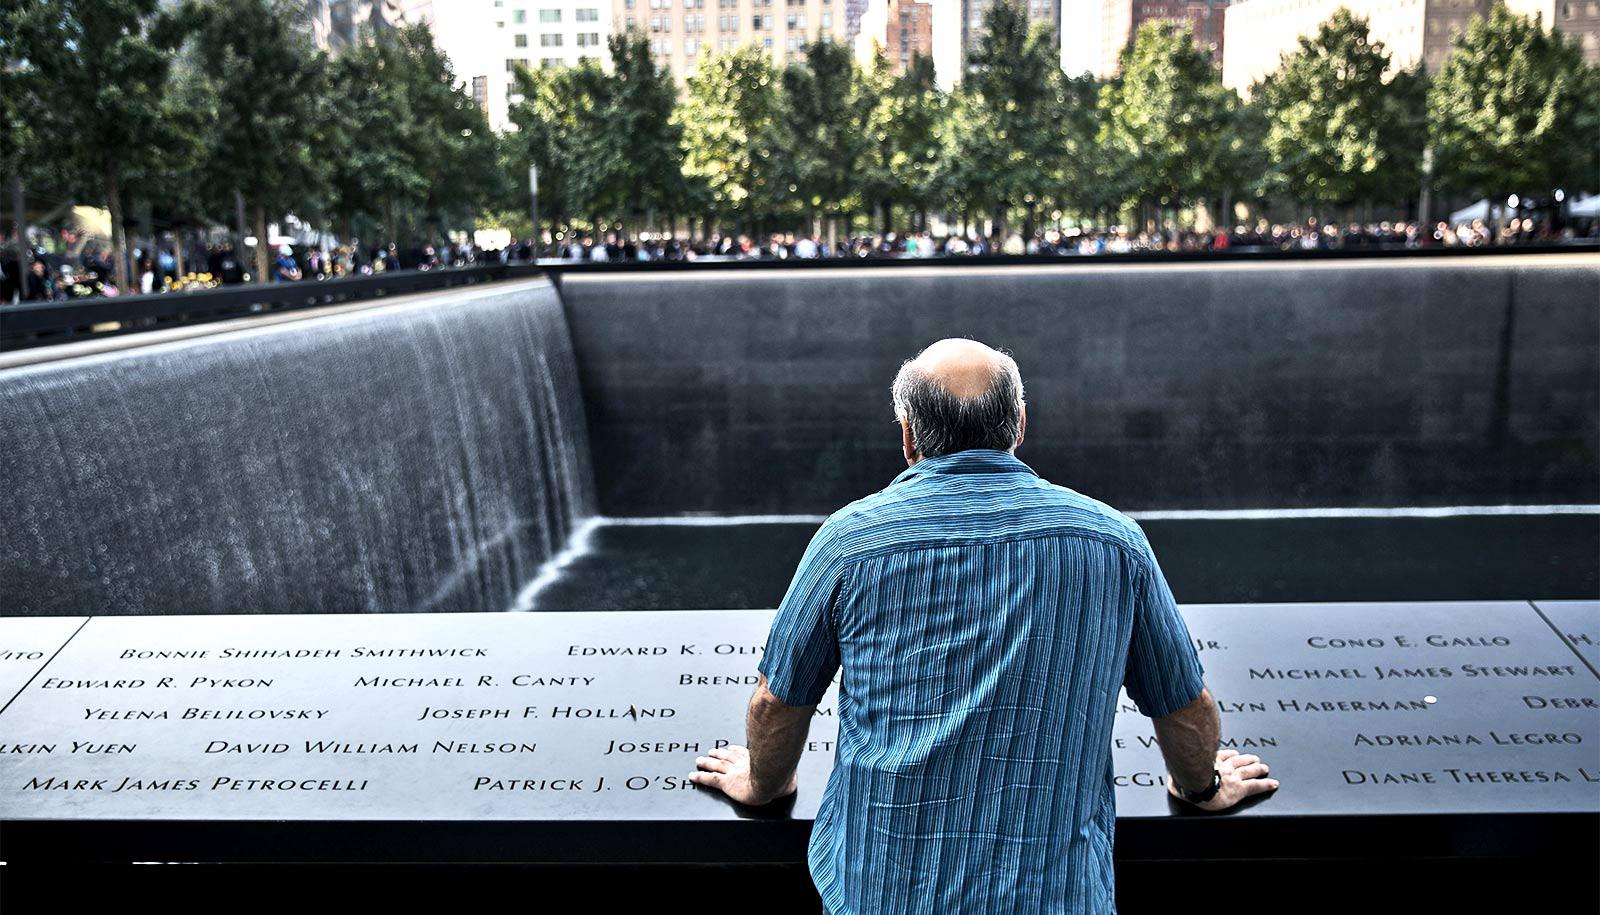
520,41
548,62
660,23
827,21
593,15
549,41
691,46
588,39
796,20
519,16
512,65
549,15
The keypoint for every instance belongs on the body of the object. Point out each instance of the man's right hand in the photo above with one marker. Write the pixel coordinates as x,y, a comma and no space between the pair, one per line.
1243,775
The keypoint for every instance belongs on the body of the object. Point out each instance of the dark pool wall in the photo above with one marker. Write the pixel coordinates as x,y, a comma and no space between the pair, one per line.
1210,386
404,458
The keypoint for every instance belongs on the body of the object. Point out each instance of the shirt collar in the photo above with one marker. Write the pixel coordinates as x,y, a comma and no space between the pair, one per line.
973,460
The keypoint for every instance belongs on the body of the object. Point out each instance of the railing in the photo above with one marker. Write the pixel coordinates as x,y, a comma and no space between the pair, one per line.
32,324
557,266
35,324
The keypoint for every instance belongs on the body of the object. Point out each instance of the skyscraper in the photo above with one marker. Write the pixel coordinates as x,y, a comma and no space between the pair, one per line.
487,40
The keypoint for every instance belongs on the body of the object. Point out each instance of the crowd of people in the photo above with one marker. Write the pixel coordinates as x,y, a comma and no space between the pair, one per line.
1308,235
90,272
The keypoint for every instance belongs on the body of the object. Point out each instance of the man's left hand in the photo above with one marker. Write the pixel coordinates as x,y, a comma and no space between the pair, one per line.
728,770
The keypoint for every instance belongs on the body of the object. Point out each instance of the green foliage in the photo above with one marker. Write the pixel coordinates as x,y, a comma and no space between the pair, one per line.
1507,109
271,85
605,144
730,123
1167,119
822,128
561,128
1008,127
1338,131
649,177
93,79
900,162
412,146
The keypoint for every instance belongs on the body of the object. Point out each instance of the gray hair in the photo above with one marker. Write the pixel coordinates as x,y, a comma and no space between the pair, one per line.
942,423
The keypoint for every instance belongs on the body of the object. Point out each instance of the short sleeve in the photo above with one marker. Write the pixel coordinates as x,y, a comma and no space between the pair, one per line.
1164,672
802,653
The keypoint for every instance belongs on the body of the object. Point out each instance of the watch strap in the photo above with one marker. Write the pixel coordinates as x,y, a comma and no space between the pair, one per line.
1200,797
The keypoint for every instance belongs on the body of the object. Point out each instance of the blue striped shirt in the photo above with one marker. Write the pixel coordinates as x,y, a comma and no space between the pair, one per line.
984,619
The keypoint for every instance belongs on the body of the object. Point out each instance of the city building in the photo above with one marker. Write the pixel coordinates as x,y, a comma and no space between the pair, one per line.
1095,32
902,28
957,27
337,23
487,40
685,32
1577,18
853,11
1260,32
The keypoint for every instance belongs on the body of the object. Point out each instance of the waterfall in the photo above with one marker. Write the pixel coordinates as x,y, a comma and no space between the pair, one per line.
425,456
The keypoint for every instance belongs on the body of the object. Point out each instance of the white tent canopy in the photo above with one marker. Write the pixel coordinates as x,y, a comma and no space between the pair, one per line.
1585,207
1479,210
1582,208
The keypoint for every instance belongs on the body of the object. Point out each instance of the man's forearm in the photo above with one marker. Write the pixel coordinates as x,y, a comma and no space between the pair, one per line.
776,733
1188,739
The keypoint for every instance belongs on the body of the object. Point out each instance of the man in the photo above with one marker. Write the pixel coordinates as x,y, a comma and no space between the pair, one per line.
284,268
984,619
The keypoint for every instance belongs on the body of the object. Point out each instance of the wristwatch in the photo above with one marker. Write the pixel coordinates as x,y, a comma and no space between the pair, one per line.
1200,797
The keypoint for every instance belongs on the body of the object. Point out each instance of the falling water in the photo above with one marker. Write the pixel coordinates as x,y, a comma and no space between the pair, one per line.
424,456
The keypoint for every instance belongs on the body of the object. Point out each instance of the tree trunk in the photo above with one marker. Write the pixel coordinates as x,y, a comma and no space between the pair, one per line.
262,243
119,232
20,221
177,255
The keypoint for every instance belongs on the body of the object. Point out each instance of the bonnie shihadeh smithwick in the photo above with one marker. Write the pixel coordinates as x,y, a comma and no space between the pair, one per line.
984,619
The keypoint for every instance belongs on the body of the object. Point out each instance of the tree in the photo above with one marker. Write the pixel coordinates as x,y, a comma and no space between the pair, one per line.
96,74
825,108
1007,134
1506,110
1086,171
1338,131
271,87
561,128
650,177
903,135
1167,117
729,119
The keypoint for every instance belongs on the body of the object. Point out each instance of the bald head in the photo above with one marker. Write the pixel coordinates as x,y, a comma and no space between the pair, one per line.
964,368
957,395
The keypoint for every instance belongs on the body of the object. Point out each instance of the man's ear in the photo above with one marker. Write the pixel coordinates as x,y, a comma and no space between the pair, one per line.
908,445
1022,427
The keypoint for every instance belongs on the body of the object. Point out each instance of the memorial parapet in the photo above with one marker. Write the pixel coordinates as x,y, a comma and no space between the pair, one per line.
440,736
